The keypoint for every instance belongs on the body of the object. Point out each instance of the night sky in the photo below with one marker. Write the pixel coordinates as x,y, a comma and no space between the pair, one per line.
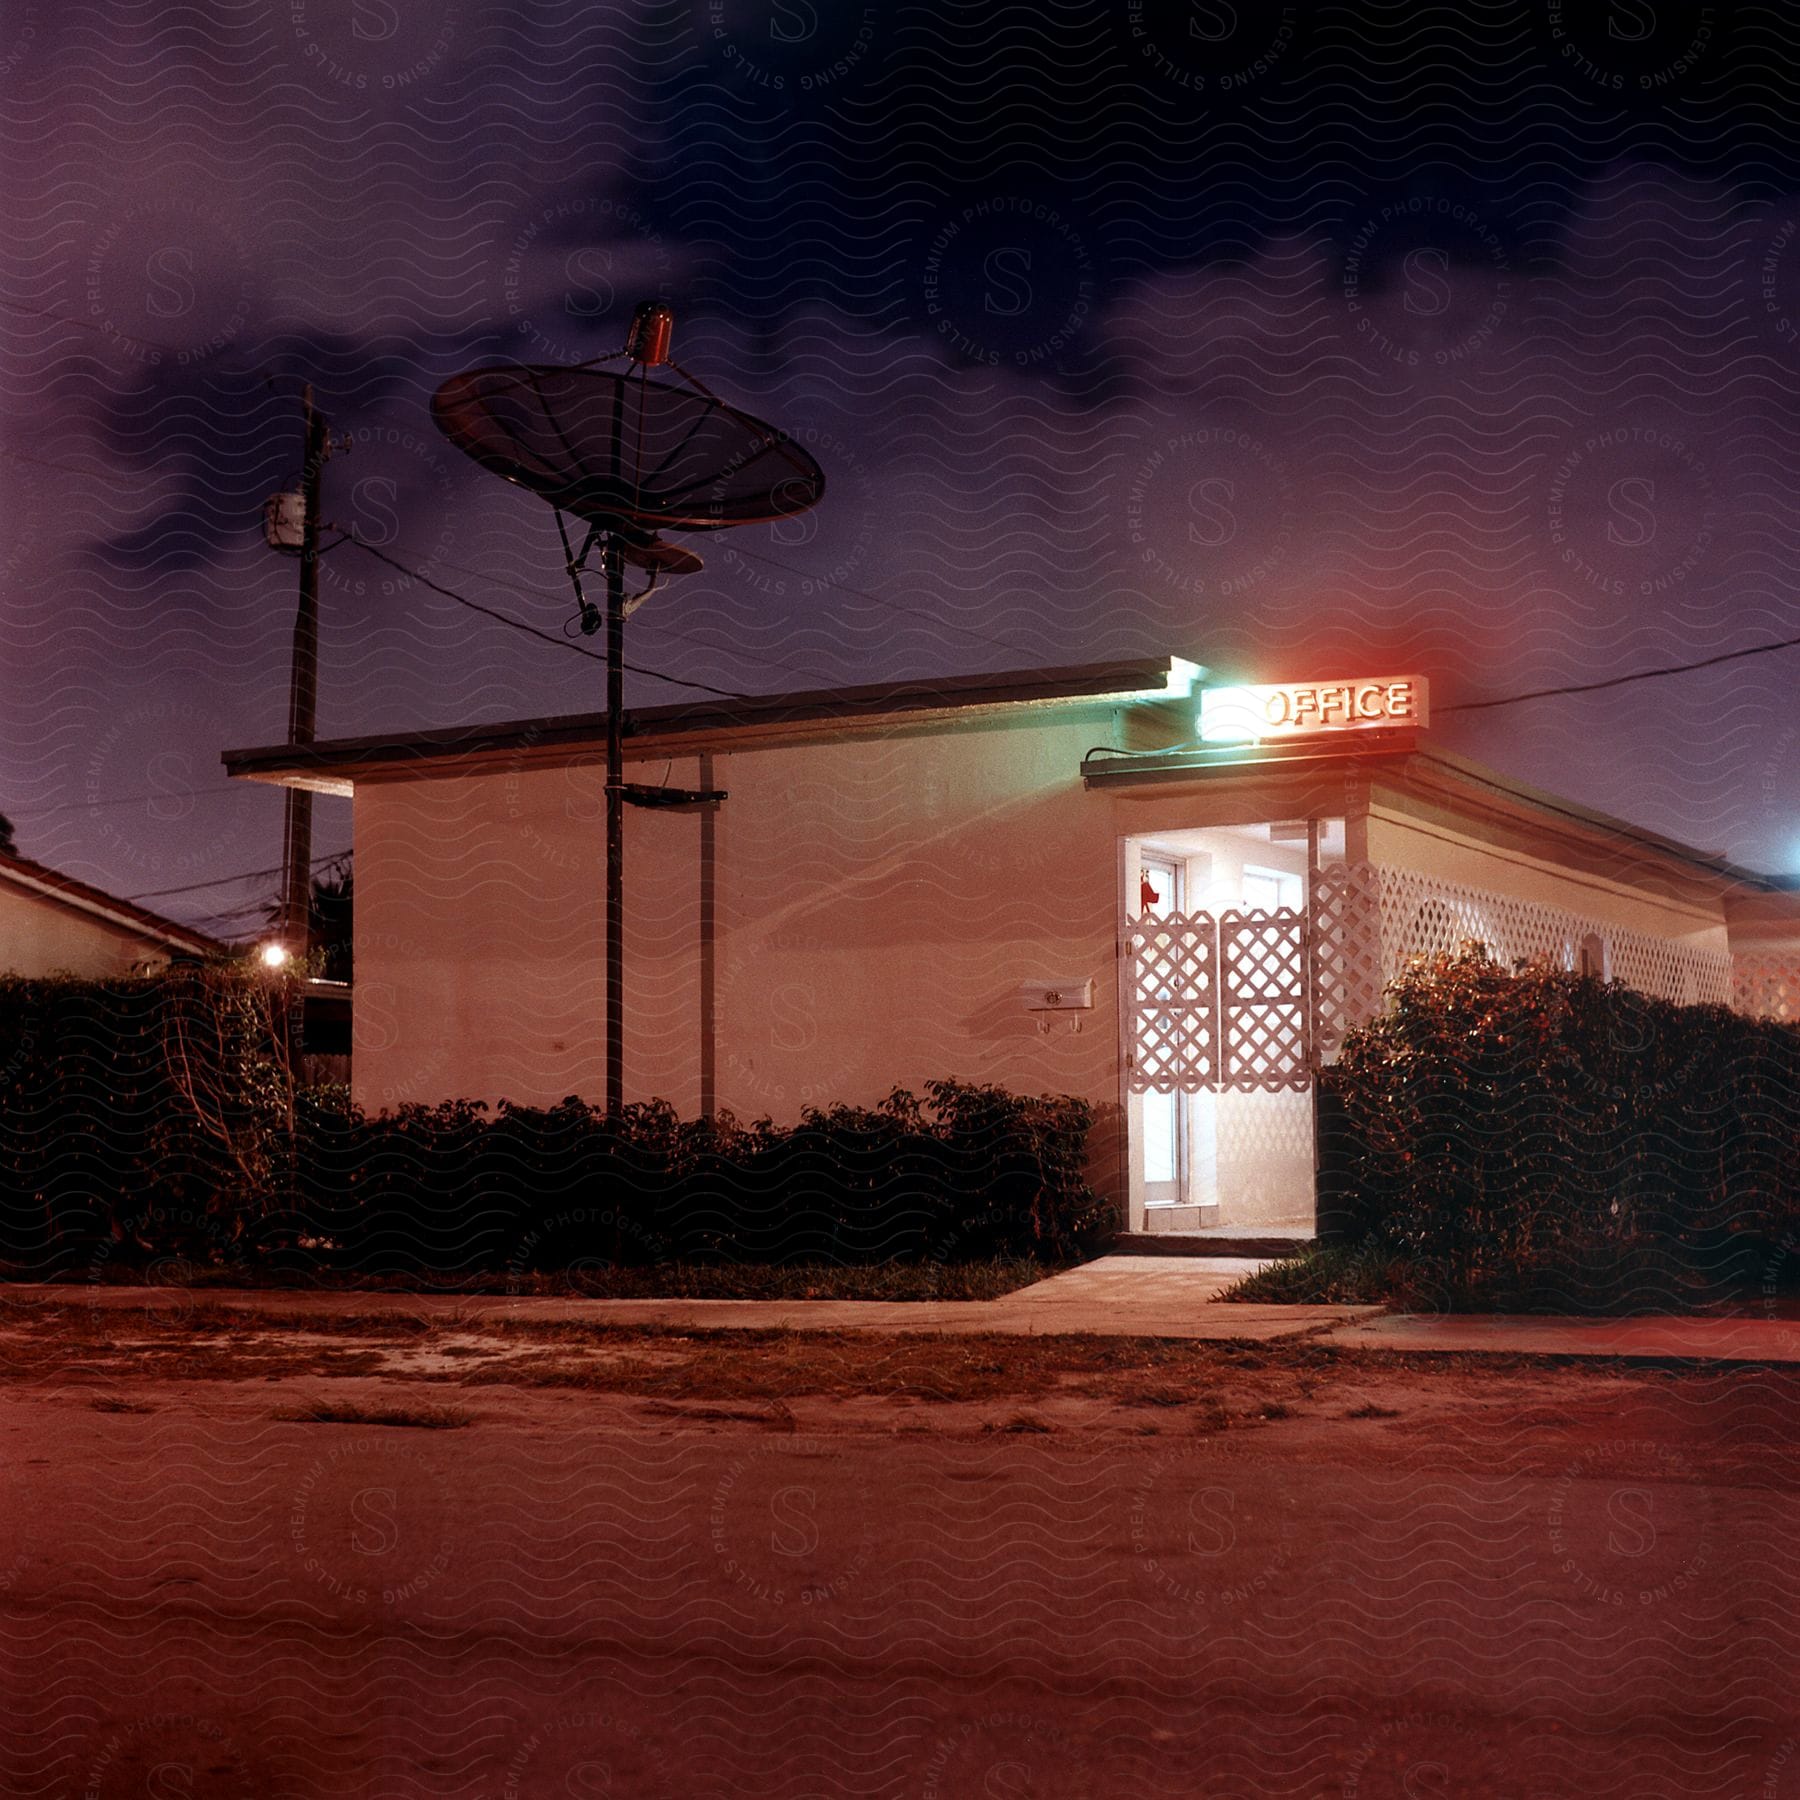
1299,341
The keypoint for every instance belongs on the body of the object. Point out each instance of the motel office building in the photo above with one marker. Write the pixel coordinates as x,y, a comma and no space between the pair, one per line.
1048,881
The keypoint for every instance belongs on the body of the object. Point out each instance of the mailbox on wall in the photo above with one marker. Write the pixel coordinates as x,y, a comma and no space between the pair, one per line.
1057,996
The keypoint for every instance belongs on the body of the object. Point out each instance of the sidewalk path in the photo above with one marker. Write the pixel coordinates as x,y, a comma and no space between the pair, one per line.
1116,1296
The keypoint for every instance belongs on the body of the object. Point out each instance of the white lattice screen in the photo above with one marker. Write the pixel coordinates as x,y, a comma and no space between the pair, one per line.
1174,961
1219,1002
1768,986
1223,1002
1348,972
1421,916
1263,1014
1369,922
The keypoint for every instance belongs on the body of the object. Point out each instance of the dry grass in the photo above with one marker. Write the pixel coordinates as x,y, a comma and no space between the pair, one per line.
412,1418
722,1378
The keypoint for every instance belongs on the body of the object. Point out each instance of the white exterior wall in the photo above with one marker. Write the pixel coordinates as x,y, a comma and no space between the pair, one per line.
41,935
879,900
880,895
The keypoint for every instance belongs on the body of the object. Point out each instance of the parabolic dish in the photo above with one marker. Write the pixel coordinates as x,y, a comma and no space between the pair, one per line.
620,450
660,557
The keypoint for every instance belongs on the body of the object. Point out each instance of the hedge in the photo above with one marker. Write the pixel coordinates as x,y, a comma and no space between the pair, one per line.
150,1119
1495,1121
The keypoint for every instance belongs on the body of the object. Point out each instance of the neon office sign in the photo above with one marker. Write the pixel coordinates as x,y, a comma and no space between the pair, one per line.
1236,715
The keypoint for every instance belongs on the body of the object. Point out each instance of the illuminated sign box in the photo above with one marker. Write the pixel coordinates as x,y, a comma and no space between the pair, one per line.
1241,715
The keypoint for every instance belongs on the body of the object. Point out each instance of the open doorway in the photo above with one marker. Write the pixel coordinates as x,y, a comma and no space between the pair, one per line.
1221,1130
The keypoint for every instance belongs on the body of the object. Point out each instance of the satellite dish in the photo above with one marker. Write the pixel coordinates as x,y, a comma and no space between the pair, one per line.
660,557
621,450
632,457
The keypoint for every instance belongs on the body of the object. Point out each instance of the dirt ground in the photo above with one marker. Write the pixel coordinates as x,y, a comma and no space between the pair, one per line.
401,1557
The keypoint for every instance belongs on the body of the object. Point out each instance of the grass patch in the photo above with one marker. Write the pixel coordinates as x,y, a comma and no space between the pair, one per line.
1369,1410
412,1418
1337,1275
111,1403
985,1280
805,1281
1583,1281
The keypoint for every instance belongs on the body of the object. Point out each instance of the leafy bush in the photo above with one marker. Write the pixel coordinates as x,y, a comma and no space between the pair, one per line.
157,1117
148,1113
967,1174
1522,1130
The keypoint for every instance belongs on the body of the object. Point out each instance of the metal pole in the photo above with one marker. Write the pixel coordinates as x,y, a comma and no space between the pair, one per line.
303,691
709,853
615,828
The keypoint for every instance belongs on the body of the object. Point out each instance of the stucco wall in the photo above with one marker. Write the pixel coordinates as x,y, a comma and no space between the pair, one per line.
878,902
43,936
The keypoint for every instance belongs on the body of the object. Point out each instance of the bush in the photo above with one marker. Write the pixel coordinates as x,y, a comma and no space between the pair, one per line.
157,1117
969,1174
1522,1130
150,1115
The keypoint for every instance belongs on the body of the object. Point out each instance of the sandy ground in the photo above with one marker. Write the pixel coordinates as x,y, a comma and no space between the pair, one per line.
598,1561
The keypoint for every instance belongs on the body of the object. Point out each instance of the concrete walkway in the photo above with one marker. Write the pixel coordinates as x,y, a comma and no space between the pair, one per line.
1116,1296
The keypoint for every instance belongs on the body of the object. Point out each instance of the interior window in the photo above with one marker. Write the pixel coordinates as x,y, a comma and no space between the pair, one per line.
1159,887
1270,890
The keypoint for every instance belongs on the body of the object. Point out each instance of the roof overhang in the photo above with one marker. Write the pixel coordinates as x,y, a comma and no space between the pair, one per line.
336,765
1400,764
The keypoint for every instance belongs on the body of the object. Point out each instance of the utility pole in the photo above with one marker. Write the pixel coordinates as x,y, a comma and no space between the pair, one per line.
303,691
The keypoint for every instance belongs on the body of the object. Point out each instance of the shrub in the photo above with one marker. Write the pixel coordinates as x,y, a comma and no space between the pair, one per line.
1506,1125
148,1114
967,1174
157,1117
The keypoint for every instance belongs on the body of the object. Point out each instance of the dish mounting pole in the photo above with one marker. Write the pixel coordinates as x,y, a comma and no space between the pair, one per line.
615,825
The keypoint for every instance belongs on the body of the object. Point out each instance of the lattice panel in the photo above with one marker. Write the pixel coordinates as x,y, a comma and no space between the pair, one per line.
1263,999
1424,917
1348,976
1767,987
1673,971
1174,1003
1264,1147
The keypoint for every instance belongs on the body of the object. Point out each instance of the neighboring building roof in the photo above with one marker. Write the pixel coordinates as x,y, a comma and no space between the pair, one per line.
333,766
33,877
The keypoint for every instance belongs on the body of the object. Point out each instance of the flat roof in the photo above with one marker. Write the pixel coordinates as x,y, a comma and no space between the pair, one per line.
332,765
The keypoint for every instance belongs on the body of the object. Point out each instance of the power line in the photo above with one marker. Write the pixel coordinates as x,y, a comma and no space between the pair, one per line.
655,621
242,875
214,793
1594,687
532,630
44,462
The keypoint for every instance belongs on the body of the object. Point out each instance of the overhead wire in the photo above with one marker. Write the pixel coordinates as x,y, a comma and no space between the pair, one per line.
563,643
1615,681
193,887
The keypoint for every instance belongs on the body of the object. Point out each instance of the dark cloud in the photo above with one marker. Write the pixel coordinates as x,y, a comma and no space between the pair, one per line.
1291,338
